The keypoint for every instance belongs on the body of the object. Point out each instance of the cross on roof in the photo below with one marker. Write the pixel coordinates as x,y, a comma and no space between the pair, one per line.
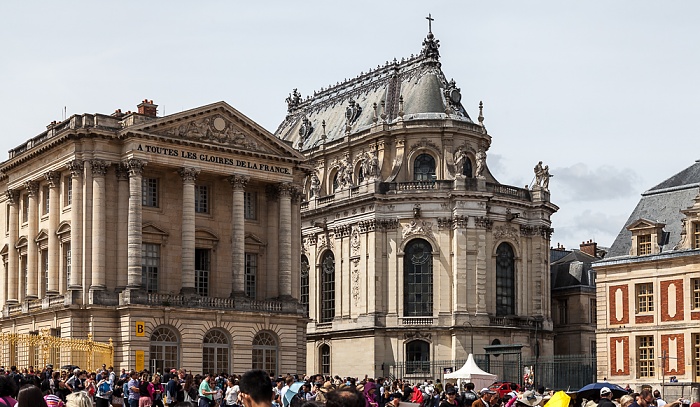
430,23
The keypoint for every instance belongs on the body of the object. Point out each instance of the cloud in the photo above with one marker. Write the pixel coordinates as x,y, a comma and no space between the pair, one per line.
581,183
601,227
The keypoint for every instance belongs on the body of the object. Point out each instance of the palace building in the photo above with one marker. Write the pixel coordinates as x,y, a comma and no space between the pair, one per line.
412,252
174,236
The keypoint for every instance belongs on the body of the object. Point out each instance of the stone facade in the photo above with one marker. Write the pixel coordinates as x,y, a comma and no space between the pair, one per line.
183,225
411,248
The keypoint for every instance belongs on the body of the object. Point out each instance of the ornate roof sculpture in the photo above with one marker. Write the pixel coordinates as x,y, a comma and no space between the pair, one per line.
413,88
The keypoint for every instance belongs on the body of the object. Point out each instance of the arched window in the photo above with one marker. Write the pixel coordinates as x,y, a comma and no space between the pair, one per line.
265,353
325,354
418,279
215,352
336,182
417,357
505,280
360,175
304,294
327,287
165,349
424,168
467,168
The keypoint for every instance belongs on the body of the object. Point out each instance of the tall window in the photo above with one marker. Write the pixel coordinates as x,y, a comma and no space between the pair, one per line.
325,352
304,297
249,202
215,352
695,283
467,167
251,270
25,208
150,263
149,191
66,262
360,176
67,190
265,353
417,357
424,168
563,312
327,287
643,245
25,275
645,298
336,182
45,268
696,235
645,346
696,357
592,308
45,194
201,199
418,279
165,349
202,269
505,280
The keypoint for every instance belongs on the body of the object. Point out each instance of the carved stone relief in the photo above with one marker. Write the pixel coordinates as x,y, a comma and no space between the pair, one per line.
418,228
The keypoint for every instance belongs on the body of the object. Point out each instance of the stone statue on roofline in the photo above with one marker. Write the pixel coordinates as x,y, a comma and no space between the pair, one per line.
542,176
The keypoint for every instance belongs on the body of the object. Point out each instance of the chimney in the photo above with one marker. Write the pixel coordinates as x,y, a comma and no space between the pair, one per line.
147,108
590,247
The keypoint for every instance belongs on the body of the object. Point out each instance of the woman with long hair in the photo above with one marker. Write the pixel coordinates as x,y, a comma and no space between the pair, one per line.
8,387
30,396
78,399
155,389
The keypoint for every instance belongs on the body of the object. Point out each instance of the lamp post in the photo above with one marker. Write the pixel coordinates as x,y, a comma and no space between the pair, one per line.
471,332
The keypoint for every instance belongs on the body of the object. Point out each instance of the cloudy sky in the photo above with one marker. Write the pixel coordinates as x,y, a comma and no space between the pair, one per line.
606,93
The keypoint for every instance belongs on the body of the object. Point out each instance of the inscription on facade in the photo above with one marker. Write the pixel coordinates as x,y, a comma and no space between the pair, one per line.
190,155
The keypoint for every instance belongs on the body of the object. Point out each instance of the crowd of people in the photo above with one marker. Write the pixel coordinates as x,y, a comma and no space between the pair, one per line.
255,388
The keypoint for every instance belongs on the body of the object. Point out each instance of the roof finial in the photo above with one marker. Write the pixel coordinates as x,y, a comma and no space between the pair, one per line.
430,23
481,113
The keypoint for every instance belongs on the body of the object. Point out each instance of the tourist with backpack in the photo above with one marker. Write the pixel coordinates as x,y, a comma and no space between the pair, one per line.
105,389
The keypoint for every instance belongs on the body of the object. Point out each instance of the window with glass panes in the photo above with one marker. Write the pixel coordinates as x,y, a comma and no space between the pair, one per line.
696,235
25,208
645,349
249,202
215,352
643,245
424,168
45,268
25,275
202,270
45,194
201,199
251,270
150,263
592,311
418,279
563,312
417,357
164,349
66,262
304,286
149,192
67,190
695,283
327,287
505,280
696,357
645,298
325,360
265,353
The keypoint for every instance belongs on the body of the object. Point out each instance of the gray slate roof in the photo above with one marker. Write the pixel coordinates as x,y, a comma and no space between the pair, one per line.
572,270
662,204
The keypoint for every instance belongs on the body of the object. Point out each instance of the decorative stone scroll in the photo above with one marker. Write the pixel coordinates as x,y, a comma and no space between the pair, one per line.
99,167
507,232
135,166
75,167
32,188
238,181
53,178
12,196
189,173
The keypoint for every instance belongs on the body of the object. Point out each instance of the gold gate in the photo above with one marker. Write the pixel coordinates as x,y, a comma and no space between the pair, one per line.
24,350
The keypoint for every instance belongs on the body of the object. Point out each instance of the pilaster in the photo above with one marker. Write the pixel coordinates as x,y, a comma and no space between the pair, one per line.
76,222
272,250
285,240
33,274
238,185
12,255
54,180
122,174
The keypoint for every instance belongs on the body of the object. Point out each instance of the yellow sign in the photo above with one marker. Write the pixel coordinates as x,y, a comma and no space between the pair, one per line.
140,328
140,358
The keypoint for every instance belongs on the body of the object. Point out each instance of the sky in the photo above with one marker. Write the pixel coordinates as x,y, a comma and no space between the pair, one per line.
604,92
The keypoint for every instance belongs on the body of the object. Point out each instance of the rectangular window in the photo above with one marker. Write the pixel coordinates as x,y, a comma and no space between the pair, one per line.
25,208
643,245
25,275
150,263
202,267
7,218
592,311
645,346
149,191
45,194
45,267
696,235
201,199
67,190
251,269
645,298
66,262
696,357
563,312
695,283
250,200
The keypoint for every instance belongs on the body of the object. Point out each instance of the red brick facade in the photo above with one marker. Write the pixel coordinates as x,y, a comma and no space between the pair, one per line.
613,305
643,319
665,314
679,358
695,316
623,370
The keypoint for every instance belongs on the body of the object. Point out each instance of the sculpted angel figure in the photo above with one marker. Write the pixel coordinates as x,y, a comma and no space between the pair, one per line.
480,162
459,156
373,165
347,173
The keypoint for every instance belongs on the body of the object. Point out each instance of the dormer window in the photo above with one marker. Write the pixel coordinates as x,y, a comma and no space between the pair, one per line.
643,245
648,237
696,235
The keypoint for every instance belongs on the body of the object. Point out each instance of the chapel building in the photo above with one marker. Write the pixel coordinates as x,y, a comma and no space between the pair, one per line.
174,236
412,252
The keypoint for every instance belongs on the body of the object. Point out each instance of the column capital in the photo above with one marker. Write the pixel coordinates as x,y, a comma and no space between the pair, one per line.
135,166
12,196
297,193
189,173
53,178
121,171
99,167
32,187
75,167
285,189
238,181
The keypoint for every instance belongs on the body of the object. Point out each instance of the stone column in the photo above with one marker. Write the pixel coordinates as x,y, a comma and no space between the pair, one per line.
295,237
271,250
122,173
54,180
12,255
135,167
285,241
33,275
76,225
238,183
189,176
99,225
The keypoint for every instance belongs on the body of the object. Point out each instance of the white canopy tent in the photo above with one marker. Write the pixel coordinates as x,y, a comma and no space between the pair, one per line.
470,372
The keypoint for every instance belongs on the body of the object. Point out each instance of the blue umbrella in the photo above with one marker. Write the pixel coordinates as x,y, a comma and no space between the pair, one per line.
289,395
592,391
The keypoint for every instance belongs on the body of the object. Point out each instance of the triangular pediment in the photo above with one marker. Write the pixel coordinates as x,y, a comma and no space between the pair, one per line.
253,240
641,224
151,229
21,242
205,234
3,252
43,235
221,125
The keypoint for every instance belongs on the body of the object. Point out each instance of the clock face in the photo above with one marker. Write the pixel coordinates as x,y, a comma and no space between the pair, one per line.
455,96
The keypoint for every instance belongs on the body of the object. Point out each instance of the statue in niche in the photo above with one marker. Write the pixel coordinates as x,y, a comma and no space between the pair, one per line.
480,163
458,157
315,187
344,174
370,165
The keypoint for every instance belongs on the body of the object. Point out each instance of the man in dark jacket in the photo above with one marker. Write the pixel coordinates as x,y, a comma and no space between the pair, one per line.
605,398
